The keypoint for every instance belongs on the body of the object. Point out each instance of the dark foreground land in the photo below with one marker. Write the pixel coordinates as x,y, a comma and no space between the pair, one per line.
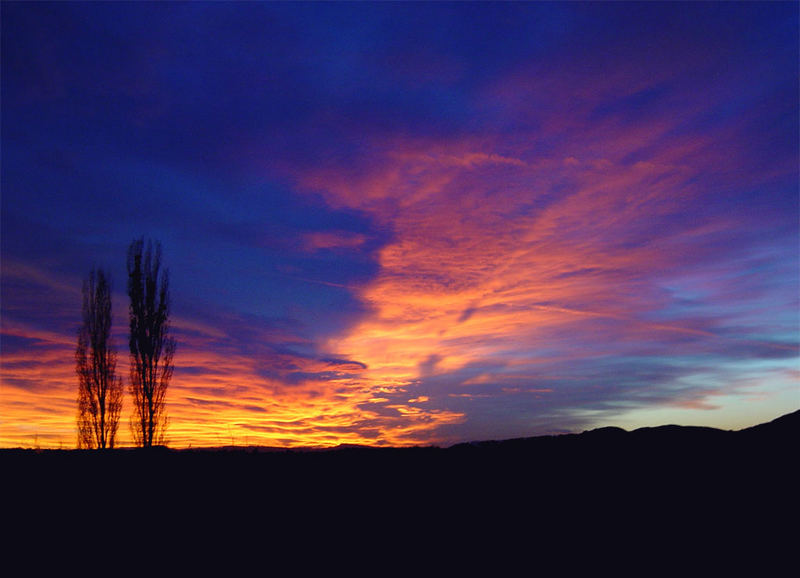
653,461
604,486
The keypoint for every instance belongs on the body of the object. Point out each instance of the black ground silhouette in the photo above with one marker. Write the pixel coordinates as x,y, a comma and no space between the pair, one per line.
667,491
606,457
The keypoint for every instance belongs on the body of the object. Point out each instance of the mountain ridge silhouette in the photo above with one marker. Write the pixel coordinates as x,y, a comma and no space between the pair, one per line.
786,424
673,484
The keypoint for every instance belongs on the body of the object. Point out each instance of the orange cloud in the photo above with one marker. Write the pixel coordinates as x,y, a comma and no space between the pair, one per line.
496,248
219,396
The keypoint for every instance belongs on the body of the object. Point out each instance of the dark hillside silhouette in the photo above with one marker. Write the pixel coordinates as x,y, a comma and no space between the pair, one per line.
569,459
692,497
785,426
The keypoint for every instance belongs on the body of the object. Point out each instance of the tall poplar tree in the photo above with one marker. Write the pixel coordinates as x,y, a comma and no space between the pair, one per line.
151,347
99,389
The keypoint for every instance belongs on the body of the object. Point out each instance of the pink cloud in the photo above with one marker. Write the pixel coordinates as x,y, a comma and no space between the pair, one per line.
571,226
342,240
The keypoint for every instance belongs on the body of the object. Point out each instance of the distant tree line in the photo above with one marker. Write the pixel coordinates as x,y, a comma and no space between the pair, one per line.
151,349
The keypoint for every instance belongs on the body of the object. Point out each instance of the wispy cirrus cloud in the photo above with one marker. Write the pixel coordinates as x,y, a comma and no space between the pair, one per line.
570,257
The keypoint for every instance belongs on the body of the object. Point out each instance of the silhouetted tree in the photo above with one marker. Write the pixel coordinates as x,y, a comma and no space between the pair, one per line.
151,347
99,389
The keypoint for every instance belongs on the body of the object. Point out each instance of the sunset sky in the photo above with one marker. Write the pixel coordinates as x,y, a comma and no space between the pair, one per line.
408,223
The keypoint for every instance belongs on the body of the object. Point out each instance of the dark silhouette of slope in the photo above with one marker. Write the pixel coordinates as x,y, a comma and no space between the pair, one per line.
603,447
660,492
784,427
599,473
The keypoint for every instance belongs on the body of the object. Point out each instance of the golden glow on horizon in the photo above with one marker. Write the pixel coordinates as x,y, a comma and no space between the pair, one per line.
228,404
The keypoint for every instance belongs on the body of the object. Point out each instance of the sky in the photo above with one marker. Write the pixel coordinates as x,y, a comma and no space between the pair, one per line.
408,223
